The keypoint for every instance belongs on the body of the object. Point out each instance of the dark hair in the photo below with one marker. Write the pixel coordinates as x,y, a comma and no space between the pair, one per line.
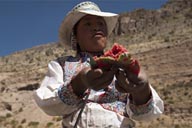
75,34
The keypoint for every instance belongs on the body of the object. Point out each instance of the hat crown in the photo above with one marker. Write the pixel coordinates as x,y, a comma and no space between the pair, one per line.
85,6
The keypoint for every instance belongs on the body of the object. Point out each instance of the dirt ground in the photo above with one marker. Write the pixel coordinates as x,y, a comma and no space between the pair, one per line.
169,70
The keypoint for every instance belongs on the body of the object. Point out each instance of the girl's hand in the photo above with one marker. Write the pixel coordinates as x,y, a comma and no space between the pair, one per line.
136,85
130,83
95,79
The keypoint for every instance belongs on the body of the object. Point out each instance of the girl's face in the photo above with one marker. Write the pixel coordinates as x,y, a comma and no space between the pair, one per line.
92,34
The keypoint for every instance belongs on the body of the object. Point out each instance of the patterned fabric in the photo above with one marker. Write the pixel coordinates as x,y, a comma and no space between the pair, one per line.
109,99
142,109
67,95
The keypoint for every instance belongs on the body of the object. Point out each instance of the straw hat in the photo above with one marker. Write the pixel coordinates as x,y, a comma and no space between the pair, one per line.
79,11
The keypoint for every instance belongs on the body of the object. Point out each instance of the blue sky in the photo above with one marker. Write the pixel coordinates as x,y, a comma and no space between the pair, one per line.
28,23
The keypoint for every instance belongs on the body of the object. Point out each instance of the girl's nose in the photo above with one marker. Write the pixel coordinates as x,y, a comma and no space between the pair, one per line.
96,27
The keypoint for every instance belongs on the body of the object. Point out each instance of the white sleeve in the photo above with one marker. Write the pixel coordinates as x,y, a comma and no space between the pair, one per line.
46,96
149,111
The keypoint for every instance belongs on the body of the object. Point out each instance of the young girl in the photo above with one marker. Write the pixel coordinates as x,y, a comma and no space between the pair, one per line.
94,98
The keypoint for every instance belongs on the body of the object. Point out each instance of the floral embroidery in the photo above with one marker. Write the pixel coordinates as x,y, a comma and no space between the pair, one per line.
67,95
118,107
142,109
113,100
108,96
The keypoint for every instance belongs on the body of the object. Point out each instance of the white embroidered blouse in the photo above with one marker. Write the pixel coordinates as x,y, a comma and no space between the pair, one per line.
106,108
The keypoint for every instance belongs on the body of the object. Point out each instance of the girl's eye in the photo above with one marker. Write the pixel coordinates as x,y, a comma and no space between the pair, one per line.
100,23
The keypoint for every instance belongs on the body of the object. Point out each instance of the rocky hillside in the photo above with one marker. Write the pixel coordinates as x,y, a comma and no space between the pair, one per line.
161,40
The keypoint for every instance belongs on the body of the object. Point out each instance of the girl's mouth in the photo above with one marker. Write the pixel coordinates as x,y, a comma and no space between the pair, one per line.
99,34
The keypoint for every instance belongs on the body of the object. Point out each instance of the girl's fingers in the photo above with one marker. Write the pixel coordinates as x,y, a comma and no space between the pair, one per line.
93,74
124,84
121,77
119,88
103,81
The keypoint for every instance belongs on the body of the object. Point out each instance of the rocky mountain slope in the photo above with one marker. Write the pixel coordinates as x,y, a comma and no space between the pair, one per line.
160,39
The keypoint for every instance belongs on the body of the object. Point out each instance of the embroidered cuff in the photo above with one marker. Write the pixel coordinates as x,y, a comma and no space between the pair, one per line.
67,95
142,109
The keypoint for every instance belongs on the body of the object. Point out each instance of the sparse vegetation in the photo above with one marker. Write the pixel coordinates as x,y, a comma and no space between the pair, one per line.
23,121
57,119
8,115
49,52
49,125
14,123
33,124
20,126
2,118
20,110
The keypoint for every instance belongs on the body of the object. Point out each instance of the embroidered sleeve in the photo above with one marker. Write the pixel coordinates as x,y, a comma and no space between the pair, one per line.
141,109
67,95
146,112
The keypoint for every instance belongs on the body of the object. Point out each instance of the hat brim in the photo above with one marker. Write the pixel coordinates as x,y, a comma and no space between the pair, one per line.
73,17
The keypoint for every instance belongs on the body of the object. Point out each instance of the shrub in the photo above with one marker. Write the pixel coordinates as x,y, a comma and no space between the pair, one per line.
166,39
49,125
23,121
33,124
8,115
